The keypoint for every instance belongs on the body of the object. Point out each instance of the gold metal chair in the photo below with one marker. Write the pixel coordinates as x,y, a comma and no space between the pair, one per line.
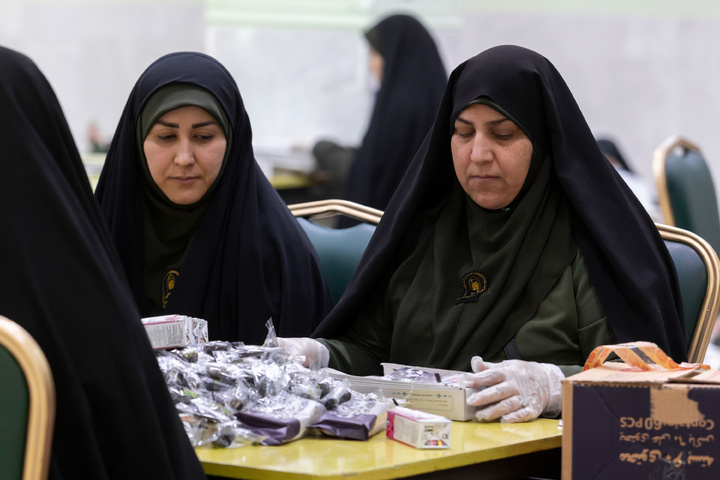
339,250
686,191
27,405
322,208
698,270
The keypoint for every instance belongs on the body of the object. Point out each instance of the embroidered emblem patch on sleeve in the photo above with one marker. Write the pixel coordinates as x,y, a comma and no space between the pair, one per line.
168,284
474,284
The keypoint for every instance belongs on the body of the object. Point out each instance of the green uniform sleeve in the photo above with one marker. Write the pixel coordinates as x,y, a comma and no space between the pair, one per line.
366,345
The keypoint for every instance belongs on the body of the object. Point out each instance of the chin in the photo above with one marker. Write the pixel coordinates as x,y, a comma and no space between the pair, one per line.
184,200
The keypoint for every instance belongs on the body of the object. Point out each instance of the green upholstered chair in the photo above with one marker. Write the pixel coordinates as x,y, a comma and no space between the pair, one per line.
27,405
686,191
339,250
698,270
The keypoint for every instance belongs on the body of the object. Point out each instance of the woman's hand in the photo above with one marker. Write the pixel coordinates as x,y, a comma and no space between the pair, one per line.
514,390
313,351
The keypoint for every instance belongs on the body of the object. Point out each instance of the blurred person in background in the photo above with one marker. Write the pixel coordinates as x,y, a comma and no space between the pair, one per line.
406,62
642,190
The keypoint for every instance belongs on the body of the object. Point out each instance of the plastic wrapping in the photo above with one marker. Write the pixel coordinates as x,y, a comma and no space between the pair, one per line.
358,418
231,394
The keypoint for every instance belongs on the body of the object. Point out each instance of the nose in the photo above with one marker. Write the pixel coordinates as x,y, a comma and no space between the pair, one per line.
481,149
185,154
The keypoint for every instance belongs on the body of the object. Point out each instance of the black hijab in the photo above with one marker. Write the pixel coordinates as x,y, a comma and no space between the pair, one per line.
61,281
412,83
248,259
628,262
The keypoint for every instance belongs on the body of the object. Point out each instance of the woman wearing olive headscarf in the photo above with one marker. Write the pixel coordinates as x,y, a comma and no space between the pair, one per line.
199,229
512,239
62,282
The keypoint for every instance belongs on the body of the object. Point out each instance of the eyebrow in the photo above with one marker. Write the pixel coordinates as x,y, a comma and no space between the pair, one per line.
492,122
194,125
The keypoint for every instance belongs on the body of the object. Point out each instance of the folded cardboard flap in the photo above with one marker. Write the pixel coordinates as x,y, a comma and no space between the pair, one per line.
620,372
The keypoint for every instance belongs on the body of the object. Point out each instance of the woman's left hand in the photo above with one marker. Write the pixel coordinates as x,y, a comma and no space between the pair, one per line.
514,390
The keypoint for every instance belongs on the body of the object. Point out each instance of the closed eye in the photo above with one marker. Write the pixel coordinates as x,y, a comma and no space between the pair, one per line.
463,133
505,136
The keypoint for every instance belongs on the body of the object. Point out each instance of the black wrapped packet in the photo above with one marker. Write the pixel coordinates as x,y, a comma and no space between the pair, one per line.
281,418
359,418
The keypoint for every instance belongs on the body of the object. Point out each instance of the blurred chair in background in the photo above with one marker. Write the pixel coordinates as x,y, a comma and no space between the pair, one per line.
27,405
686,190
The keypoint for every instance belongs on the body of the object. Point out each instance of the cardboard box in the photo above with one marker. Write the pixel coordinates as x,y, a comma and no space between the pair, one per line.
620,422
418,429
439,399
175,331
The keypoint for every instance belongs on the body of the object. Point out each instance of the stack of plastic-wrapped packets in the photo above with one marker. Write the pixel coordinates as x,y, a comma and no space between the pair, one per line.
231,394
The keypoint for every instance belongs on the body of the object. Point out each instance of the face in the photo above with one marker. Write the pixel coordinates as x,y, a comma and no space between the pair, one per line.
184,151
376,63
491,155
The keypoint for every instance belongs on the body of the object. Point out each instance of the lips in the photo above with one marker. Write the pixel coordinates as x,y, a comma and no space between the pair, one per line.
483,178
184,180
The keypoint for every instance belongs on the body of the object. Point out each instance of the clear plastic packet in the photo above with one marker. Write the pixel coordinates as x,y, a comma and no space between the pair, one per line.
416,375
338,394
229,434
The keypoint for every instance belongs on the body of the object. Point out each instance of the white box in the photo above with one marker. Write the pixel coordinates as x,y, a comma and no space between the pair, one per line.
418,429
175,331
439,399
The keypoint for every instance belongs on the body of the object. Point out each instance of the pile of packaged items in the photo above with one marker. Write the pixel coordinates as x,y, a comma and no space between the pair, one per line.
231,394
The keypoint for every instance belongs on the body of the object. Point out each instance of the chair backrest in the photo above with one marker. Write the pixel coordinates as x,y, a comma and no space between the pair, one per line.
686,191
698,270
339,250
27,405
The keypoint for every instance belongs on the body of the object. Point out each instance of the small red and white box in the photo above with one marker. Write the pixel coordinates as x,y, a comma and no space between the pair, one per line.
175,331
418,429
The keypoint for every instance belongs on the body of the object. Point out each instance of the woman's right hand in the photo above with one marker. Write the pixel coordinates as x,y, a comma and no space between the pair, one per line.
313,351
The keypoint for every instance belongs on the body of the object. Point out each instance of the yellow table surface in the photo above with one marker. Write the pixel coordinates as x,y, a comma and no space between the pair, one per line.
380,458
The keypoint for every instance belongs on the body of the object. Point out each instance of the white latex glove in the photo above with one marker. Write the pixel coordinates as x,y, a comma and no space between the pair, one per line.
515,390
311,349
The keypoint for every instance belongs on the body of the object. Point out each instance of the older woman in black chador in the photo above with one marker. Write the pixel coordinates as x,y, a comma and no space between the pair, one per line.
199,229
512,247
61,280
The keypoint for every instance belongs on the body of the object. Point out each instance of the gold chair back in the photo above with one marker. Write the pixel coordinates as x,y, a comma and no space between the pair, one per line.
29,357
